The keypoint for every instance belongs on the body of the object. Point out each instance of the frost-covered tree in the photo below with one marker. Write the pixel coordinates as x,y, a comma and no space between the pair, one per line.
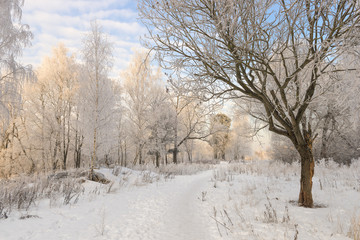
190,119
270,52
59,75
161,124
220,128
122,135
140,85
97,93
14,36
339,116
49,108
241,137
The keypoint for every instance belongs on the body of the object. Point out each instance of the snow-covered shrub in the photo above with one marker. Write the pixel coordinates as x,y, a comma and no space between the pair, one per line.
268,168
18,194
270,215
71,190
116,170
222,174
174,169
149,177
333,175
23,192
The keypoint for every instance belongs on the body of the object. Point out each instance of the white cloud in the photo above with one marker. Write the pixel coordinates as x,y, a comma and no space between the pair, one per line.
122,28
66,6
54,21
113,13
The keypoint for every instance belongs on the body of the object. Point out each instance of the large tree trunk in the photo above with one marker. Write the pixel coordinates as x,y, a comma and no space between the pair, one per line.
307,173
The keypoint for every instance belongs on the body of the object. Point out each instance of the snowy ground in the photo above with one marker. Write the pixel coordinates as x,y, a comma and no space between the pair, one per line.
231,201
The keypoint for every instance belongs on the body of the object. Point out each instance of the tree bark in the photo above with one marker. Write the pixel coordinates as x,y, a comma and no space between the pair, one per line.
140,155
223,155
175,155
307,173
157,159
325,138
215,154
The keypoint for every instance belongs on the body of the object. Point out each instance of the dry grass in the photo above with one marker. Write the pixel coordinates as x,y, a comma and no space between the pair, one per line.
23,192
354,230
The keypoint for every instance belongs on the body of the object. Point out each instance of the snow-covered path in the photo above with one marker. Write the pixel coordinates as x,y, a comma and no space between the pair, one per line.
164,210
169,211
249,201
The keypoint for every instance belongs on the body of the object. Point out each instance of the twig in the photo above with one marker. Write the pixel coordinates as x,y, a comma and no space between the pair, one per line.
222,224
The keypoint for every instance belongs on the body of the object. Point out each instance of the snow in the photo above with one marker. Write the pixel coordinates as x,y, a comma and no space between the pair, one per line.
255,200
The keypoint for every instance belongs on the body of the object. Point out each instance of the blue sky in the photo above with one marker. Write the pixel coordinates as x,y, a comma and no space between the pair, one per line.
54,21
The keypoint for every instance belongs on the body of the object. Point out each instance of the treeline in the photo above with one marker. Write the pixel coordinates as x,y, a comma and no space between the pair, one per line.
68,113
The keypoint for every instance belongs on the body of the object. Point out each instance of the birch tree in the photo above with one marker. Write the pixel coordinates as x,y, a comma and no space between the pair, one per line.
270,52
140,84
122,131
96,89
49,107
14,36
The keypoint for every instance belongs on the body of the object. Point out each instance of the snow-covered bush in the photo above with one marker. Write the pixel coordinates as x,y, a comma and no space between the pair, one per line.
173,169
23,192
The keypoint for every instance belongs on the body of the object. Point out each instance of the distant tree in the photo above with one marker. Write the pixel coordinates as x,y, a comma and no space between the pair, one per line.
190,120
220,127
241,136
140,85
269,52
161,124
282,149
122,133
339,119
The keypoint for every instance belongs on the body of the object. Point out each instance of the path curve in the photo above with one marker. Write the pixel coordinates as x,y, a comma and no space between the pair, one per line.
170,210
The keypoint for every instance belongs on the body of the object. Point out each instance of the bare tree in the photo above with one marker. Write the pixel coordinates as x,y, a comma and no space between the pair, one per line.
190,119
46,122
220,126
270,52
140,84
121,125
59,75
339,116
97,54
14,36
160,124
